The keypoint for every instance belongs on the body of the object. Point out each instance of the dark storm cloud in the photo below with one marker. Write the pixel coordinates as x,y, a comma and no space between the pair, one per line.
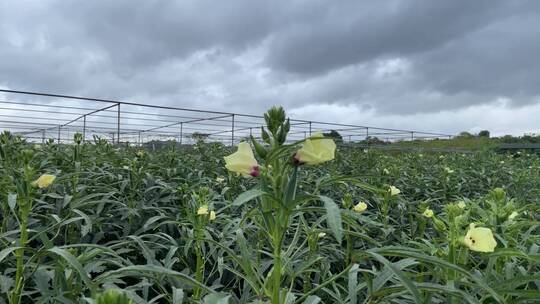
398,56
496,60
75,41
355,32
145,32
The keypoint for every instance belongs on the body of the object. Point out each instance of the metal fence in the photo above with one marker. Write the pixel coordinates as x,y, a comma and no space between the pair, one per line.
40,117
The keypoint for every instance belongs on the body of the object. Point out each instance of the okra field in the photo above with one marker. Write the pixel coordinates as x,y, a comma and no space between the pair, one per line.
268,221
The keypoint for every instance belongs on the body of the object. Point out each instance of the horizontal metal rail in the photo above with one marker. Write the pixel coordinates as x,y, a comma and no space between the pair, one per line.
131,122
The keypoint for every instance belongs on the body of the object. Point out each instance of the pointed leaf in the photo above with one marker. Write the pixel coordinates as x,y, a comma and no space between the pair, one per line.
333,217
216,298
178,296
74,263
5,252
312,300
12,201
407,283
353,282
247,196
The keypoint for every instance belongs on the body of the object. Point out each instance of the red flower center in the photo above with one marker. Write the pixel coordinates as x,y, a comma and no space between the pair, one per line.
255,171
296,160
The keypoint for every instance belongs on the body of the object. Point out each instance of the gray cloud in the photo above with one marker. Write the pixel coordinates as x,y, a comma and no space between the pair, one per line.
393,57
355,32
497,60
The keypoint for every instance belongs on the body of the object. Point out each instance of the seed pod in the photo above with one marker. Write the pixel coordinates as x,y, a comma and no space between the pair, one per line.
259,149
439,225
265,136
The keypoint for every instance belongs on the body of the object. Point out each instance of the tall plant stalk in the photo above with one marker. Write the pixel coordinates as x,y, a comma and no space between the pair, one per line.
19,255
278,182
24,203
277,270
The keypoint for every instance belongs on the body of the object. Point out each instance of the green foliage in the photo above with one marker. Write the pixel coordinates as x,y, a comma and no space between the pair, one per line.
119,219
113,297
334,135
483,133
469,141
465,134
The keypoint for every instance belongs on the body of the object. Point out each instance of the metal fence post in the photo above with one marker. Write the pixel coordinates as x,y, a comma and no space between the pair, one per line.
181,132
84,129
310,128
43,136
232,130
412,136
118,126
59,126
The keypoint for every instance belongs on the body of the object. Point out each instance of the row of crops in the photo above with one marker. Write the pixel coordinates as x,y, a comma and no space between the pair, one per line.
266,222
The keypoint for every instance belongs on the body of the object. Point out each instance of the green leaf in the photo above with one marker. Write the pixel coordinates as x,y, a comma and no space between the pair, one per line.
12,201
216,298
289,298
41,279
5,283
386,273
5,252
327,282
290,191
247,265
67,200
54,195
152,220
523,294
446,290
178,295
353,282
333,217
508,252
74,263
251,277
400,275
147,252
248,196
408,252
312,300
87,226
141,270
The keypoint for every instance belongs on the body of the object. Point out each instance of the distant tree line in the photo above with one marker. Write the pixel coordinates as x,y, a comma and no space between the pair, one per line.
526,138
483,133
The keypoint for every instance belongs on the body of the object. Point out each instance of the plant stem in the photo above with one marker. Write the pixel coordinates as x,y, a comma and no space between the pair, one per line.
349,246
277,277
277,267
19,276
5,212
199,268
451,274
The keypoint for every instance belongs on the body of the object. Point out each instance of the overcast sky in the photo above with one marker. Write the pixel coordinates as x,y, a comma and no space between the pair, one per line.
443,66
